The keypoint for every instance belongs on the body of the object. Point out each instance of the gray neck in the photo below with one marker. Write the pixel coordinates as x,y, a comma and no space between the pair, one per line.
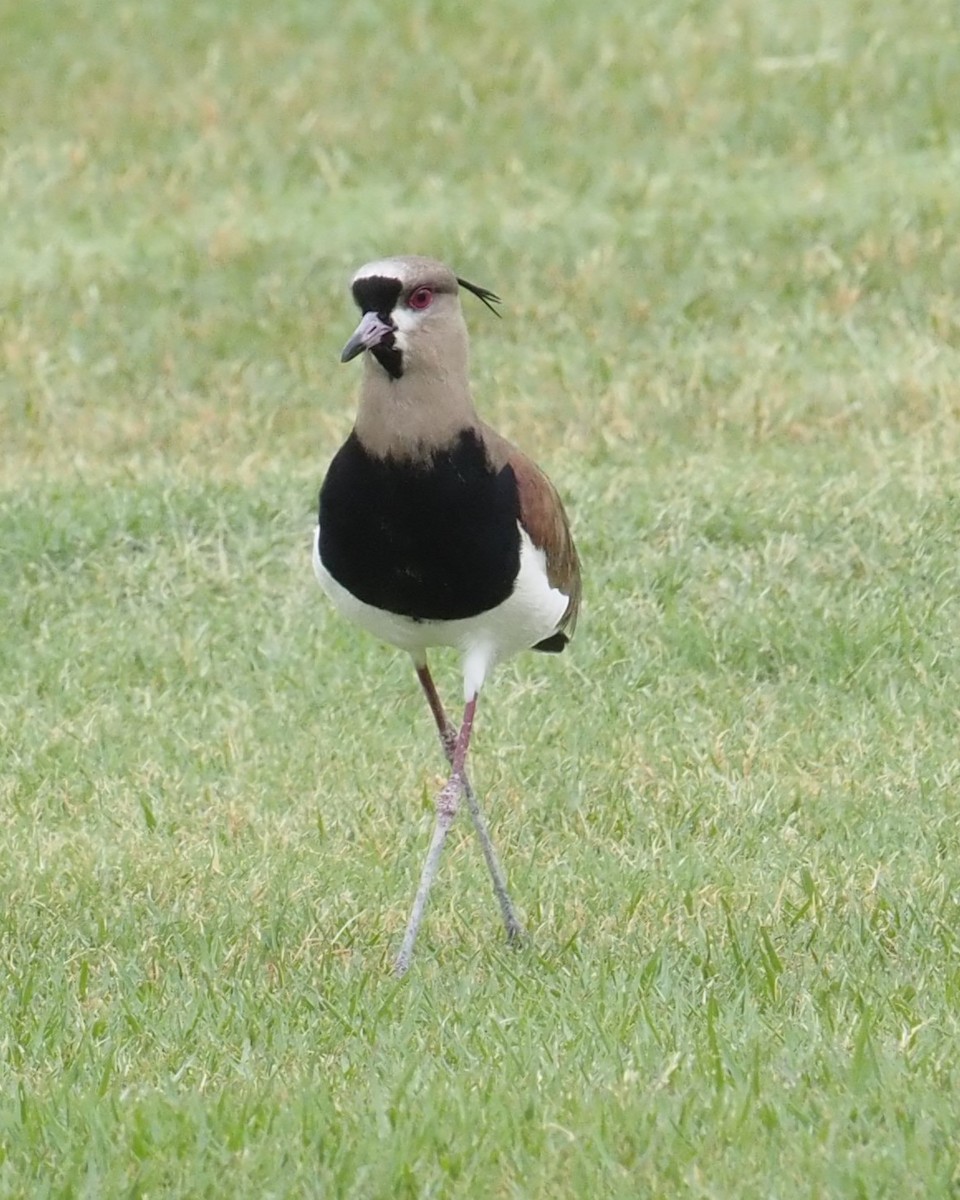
426,408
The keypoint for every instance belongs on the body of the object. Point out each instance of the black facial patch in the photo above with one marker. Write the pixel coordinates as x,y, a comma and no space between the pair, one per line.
380,294
432,540
389,357
377,293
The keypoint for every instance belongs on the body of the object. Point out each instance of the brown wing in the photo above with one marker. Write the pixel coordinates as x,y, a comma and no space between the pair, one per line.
543,517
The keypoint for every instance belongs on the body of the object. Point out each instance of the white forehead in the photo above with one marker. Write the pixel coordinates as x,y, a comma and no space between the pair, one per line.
405,269
386,268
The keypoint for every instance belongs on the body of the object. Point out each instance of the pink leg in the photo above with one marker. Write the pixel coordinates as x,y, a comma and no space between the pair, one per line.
447,733
448,739
447,804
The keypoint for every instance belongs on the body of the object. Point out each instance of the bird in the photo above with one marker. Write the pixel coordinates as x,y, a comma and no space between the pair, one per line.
434,530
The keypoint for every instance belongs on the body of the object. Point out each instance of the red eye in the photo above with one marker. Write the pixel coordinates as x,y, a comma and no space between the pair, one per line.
421,298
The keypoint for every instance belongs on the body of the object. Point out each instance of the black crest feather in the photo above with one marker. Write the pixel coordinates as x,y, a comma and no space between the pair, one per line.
489,298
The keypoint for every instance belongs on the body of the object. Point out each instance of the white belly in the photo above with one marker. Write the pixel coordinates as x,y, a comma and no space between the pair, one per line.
531,612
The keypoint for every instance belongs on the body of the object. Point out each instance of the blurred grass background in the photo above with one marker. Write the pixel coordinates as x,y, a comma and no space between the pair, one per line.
727,239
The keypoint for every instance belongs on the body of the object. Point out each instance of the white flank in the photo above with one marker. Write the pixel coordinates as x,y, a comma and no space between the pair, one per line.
531,612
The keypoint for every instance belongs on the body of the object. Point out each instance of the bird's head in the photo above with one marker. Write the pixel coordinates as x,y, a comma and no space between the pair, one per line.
412,322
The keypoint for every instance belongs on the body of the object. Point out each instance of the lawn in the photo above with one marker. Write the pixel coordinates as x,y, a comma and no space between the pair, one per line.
728,243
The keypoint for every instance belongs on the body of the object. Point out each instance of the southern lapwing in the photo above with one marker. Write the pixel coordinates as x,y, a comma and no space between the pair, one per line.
433,529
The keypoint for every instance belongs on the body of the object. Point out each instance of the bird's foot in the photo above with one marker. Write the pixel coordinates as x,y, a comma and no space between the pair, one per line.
515,934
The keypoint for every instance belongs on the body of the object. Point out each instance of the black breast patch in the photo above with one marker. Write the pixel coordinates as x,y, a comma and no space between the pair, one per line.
436,540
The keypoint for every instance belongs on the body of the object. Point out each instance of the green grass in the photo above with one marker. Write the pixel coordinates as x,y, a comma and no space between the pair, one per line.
726,236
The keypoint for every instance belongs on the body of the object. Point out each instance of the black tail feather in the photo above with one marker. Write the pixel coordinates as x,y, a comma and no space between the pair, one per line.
553,644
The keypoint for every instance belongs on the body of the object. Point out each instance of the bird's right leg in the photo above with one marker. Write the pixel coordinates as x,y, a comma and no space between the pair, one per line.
447,804
448,738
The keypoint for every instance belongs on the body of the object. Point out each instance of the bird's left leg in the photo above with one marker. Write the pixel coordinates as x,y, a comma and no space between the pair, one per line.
448,802
448,739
